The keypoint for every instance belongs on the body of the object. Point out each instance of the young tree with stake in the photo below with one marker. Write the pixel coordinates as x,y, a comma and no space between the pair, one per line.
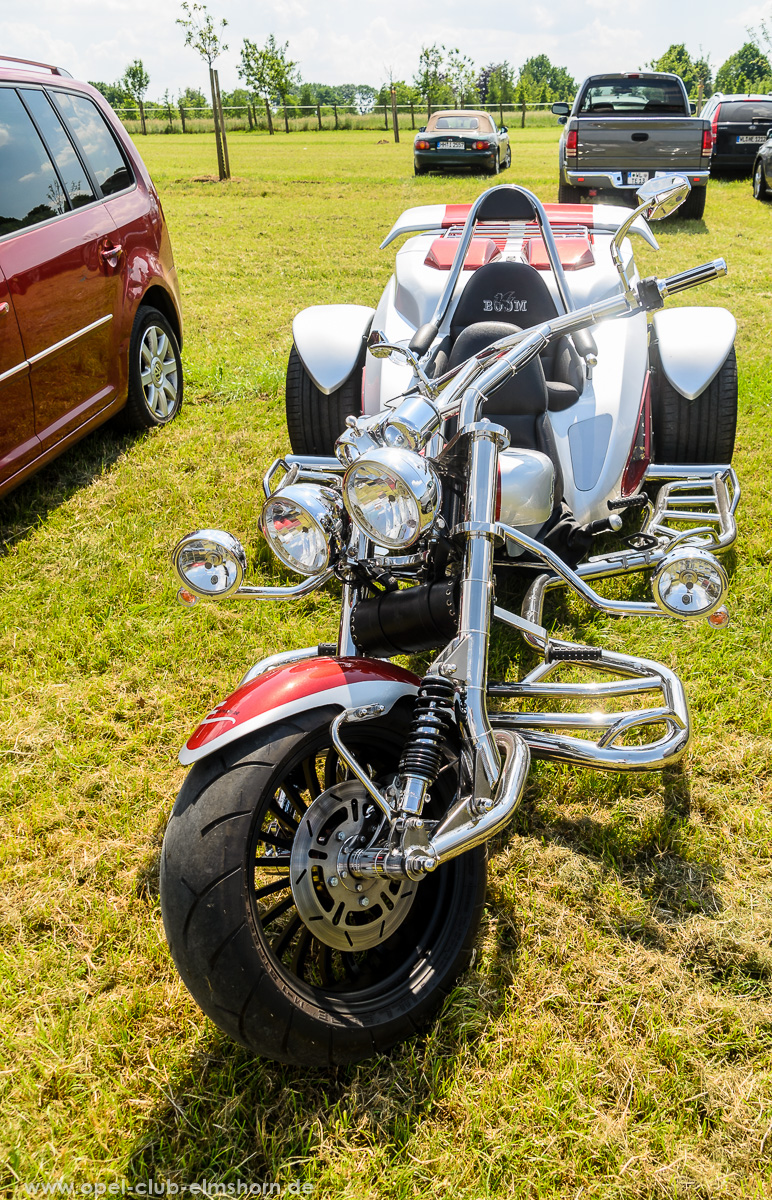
201,34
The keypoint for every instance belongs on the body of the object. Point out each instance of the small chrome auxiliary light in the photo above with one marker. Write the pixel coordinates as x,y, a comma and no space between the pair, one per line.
209,563
690,583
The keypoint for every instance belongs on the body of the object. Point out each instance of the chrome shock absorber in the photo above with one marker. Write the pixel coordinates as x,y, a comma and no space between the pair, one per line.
421,758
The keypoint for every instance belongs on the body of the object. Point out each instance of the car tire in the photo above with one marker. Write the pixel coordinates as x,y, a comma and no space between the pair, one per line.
693,206
494,170
700,430
315,421
155,372
418,170
508,159
568,194
760,185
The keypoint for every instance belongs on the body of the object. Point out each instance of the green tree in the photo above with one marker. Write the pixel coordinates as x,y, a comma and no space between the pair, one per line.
430,79
747,70
405,93
113,93
195,100
202,36
496,84
539,77
267,72
460,77
693,71
136,82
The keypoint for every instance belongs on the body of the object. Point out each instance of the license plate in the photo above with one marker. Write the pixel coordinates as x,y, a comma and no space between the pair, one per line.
637,177
750,140
450,145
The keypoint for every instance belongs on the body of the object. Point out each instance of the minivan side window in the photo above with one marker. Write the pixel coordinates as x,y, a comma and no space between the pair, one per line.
92,133
71,169
30,191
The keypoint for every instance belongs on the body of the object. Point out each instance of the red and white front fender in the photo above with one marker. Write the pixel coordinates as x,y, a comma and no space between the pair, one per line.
285,691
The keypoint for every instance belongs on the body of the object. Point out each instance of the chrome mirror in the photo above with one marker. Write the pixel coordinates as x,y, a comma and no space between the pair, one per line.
380,348
210,563
660,197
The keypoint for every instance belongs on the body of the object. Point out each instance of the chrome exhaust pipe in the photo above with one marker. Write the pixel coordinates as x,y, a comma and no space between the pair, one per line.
471,822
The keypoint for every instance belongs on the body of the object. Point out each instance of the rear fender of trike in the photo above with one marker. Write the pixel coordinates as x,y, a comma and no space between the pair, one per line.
285,691
329,338
693,345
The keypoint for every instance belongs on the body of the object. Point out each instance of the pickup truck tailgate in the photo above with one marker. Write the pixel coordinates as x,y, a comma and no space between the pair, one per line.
626,143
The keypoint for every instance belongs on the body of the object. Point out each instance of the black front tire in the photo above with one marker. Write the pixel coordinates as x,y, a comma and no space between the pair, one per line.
155,372
760,185
230,917
568,194
700,430
315,421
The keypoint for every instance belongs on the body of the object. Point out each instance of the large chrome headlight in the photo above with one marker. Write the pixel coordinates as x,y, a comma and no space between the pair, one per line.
210,563
690,583
300,522
393,496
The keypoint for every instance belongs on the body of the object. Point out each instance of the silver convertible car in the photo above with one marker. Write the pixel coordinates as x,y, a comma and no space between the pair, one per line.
461,138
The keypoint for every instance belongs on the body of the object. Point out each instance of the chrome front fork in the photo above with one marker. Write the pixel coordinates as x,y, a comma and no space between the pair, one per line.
465,659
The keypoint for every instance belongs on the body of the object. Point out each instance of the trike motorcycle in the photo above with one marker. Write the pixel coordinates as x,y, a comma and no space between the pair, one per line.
323,872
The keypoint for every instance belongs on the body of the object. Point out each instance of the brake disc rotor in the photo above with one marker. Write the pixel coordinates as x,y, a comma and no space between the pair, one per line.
341,911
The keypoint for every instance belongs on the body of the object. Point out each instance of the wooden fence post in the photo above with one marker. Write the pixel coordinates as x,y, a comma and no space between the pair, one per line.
412,116
522,115
286,118
335,110
501,110
385,117
182,116
216,115
319,115
394,117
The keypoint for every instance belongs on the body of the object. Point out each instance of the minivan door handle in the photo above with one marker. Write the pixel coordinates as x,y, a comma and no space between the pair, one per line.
111,256
640,137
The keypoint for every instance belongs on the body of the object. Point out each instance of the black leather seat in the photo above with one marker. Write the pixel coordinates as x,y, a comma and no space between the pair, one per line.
503,296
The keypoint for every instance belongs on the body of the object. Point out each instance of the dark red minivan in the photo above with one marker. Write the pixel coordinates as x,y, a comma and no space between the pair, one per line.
90,318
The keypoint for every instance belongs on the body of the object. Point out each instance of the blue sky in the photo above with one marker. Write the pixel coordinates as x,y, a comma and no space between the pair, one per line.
356,41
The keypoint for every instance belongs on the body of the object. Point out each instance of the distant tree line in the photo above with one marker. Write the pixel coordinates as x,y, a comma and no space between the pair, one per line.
444,78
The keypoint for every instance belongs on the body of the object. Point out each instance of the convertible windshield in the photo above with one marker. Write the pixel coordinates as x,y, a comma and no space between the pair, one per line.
459,121
623,96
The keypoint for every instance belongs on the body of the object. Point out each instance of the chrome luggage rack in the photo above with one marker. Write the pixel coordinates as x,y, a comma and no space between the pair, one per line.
695,506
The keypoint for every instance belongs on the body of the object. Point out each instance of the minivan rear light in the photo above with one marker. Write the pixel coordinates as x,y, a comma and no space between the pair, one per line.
714,122
707,141
572,142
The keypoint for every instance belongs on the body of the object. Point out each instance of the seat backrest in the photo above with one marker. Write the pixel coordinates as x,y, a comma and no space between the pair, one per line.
504,291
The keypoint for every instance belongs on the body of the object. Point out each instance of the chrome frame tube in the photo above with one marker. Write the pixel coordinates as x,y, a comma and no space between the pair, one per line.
641,675
443,304
293,592
350,714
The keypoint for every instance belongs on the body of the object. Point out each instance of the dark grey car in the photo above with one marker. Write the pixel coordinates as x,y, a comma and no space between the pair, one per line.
762,170
739,125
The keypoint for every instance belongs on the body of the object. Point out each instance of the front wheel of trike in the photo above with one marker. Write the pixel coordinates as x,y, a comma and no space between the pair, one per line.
231,917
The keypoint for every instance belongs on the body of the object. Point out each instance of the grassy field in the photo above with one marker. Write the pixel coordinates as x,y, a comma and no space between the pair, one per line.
614,1036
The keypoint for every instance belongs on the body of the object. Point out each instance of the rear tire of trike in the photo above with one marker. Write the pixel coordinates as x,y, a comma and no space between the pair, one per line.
700,430
314,420
231,921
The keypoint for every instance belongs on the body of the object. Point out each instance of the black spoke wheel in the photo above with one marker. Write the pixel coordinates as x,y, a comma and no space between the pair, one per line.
233,927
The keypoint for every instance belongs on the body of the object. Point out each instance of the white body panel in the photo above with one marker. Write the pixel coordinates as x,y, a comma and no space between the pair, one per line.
693,345
328,338
594,436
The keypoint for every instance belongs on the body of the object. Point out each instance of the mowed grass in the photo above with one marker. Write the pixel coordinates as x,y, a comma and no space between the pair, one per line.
614,1035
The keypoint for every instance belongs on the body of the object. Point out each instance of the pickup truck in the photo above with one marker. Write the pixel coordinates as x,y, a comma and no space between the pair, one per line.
627,128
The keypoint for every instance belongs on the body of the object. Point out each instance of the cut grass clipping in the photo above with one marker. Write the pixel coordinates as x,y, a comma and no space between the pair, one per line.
614,1035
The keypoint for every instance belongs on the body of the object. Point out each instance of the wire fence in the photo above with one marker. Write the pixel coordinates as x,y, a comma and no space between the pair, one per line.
305,118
